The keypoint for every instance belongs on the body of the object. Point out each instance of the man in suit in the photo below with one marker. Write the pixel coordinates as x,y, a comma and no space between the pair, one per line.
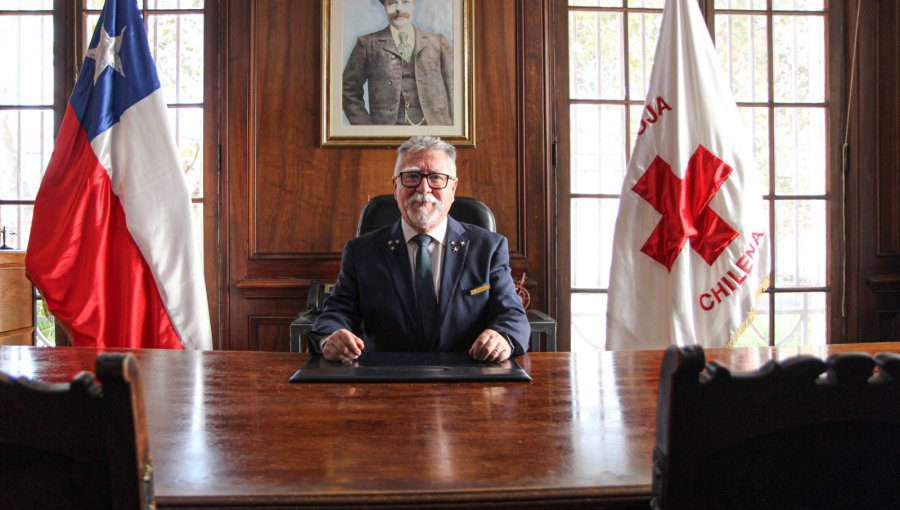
409,71
427,282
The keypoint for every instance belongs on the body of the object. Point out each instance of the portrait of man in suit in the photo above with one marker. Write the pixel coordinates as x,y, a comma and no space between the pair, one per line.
408,72
426,283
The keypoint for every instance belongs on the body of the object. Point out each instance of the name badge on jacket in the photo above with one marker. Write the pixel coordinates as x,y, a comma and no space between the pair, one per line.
479,290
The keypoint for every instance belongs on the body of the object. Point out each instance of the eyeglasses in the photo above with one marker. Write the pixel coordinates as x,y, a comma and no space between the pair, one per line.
435,181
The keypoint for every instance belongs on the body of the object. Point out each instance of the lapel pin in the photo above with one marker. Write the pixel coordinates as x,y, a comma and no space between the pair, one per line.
393,243
456,245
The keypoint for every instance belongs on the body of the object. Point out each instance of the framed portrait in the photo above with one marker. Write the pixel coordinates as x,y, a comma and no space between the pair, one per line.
392,69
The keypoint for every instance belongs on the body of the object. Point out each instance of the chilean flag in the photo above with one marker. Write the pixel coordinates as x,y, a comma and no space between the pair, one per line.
691,250
111,249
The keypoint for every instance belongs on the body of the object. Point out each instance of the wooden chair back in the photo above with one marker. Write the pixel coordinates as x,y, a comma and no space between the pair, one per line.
79,444
800,433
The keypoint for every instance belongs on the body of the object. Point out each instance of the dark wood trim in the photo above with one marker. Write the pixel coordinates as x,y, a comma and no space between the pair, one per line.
212,82
563,224
63,58
250,218
234,114
836,83
851,207
884,283
65,63
520,251
273,288
535,139
550,164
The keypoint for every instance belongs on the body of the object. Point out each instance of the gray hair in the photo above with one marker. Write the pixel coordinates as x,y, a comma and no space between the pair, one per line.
426,143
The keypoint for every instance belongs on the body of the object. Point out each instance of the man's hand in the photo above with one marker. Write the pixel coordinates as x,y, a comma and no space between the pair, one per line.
342,346
490,346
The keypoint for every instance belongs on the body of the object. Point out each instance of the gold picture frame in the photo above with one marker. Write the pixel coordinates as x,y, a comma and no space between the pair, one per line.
359,30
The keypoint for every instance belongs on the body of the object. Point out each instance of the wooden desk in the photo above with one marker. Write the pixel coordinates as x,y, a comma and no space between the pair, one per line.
226,428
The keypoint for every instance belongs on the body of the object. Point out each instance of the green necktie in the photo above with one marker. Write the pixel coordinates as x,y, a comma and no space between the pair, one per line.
425,284
405,48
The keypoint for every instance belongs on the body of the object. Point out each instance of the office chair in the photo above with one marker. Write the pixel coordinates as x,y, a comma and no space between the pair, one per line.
76,445
380,211
780,437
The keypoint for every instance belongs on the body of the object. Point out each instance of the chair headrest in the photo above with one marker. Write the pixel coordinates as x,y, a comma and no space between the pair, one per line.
382,210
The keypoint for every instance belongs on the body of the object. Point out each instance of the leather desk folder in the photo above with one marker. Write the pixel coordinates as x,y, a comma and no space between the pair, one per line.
409,367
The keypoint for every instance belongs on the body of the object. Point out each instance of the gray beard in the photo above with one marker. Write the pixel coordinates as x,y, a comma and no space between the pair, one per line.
421,219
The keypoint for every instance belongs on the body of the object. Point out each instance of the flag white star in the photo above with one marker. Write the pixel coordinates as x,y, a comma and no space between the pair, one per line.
106,53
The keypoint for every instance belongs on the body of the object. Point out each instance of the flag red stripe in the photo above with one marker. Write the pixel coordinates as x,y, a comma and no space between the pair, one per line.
105,294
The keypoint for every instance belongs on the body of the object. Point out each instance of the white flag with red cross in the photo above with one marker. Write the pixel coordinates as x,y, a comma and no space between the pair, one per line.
690,254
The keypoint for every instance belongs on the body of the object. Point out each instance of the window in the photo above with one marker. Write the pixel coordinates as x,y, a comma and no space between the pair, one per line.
772,53
26,124
175,29
26,112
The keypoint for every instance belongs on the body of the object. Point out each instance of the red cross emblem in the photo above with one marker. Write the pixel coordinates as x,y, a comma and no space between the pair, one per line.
684,205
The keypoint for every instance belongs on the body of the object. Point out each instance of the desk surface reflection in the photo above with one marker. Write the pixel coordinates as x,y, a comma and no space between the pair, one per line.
228,428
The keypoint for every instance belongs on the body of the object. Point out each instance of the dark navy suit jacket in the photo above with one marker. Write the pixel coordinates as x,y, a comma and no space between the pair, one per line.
375,296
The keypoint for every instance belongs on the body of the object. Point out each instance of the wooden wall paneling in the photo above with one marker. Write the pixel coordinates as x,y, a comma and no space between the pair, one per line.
289,205
235,162
211,182
560,35
873,183
851,298
292,181
306,198
886,77
885,281
856,178
267,308
887,295
889,323
836,94
493,171
266,333
537,214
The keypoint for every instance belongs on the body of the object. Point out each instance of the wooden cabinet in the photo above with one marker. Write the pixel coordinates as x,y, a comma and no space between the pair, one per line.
16,300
